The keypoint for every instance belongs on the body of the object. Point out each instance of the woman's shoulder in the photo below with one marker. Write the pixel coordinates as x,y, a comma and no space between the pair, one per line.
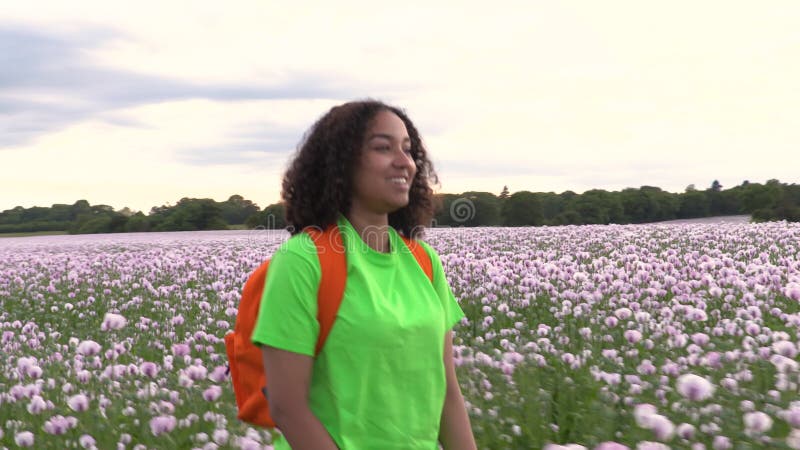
432,253
419,241
299,247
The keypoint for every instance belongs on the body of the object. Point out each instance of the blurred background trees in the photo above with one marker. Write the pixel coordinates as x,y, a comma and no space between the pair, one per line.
772,200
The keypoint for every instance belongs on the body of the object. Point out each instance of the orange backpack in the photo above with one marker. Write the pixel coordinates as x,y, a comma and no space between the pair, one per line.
244,358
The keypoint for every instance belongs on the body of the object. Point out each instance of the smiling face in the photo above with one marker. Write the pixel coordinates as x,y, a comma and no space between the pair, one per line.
386,169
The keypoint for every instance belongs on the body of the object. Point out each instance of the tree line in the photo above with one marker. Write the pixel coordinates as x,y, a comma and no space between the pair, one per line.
772,200
189,214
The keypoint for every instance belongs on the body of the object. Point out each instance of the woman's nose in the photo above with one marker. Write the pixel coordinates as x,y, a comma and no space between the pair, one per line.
404,159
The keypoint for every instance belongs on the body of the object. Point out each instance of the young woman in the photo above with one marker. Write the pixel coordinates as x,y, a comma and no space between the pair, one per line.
385,377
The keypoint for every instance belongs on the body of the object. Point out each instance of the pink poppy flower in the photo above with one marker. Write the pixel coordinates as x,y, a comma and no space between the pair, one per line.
113,321
792,291
608,445
212,393
78,403
220,436
36,405
162,424
180,350
647,445
721,443
87,441
89,348
757,422
642,414
58,425
219,374
662,428
694,387
24,439
685,431
148,369
633,336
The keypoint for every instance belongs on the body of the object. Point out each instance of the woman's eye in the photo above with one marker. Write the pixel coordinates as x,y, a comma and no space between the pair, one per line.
407,151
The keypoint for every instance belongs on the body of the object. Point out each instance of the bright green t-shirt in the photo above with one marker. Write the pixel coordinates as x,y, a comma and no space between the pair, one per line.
379,382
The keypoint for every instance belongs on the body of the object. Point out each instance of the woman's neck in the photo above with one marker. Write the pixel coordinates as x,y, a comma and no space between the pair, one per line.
373,229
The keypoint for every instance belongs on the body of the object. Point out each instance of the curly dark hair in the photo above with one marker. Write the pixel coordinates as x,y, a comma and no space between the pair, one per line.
318,184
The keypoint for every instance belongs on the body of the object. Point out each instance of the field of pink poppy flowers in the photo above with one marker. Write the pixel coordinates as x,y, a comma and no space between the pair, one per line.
596,337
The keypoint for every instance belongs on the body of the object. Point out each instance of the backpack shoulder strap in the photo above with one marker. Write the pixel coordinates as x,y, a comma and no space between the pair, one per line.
333,266
422,256
251,300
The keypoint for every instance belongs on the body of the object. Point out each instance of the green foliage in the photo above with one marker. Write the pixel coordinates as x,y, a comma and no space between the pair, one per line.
81,217
138,223
770,201
599,207
757,196
236,210
190,214
552,205
30,227
483,209
693,204
273,217
89,225
522,209
96,219
444,202
649,204
568,217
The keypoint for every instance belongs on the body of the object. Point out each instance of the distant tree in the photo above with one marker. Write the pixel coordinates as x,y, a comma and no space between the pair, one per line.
567,196
667,203
598,206
714,196
442,217
568,217
468,209
552,205
778,202
78,208
273,217
91,225
791,193
236,210
189,214
693,204
476,209
60,213
770,201
636,206
36,213
12,216
522,209
756,196
138,223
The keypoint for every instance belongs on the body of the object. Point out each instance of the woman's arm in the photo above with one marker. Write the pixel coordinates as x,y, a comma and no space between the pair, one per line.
455,431
289,377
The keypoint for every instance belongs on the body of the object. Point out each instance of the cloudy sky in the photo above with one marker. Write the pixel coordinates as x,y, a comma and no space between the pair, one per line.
141,103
